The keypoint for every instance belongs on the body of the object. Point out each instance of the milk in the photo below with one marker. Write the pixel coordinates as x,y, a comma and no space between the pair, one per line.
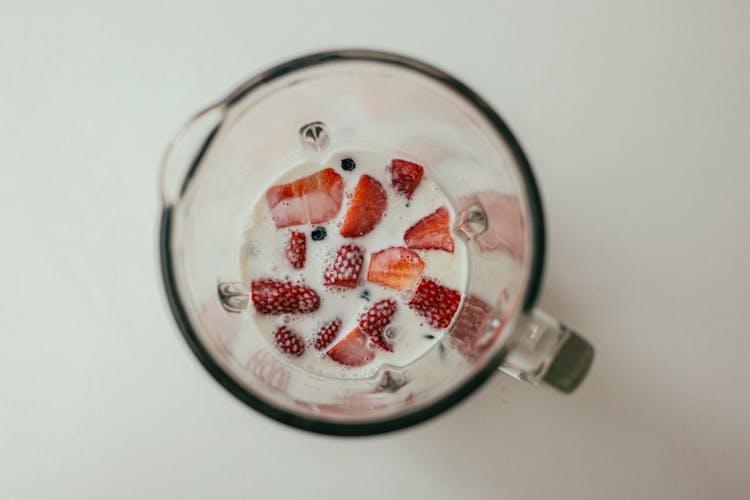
263,256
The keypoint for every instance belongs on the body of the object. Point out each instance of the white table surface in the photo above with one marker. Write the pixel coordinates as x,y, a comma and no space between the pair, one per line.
636,116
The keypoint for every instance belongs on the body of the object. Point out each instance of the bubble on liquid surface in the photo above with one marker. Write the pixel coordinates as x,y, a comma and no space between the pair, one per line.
390,333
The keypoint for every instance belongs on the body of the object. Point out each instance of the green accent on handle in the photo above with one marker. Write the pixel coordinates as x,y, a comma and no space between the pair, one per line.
571,364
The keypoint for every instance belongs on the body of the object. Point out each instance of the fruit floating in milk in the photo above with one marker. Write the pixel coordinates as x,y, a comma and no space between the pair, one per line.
352,264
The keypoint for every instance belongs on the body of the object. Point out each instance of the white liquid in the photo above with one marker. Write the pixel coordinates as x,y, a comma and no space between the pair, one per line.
263,256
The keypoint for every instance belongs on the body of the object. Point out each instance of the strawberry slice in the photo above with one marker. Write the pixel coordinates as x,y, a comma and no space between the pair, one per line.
295,249
283,297
366,209
344,269
436,303
374,321
308,200
352,350
327,334
289,342
395,267
431,233
405,176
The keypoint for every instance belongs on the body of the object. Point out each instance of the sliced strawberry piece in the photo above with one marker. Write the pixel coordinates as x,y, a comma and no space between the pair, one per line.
395,267
327,334
431,233
308,200
344,269
352,350
283,297
405,176
436,303
374,321
289,342
295,249
366,209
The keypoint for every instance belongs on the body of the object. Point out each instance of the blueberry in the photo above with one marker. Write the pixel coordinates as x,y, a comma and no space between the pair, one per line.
319,233
348,164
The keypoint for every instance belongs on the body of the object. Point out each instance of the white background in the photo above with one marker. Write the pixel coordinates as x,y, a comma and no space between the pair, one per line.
636,118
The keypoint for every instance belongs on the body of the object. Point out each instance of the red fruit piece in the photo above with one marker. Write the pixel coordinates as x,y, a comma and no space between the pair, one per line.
295,248
289,342
344,269
308,200
352,350
437,304
366,209
327,334
374,321
431,233
405,176
283,297
395,267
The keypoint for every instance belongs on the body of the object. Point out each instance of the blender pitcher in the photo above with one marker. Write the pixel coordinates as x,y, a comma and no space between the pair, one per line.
226,157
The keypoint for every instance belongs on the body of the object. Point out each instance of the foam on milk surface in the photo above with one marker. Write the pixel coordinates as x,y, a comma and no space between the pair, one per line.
263,256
